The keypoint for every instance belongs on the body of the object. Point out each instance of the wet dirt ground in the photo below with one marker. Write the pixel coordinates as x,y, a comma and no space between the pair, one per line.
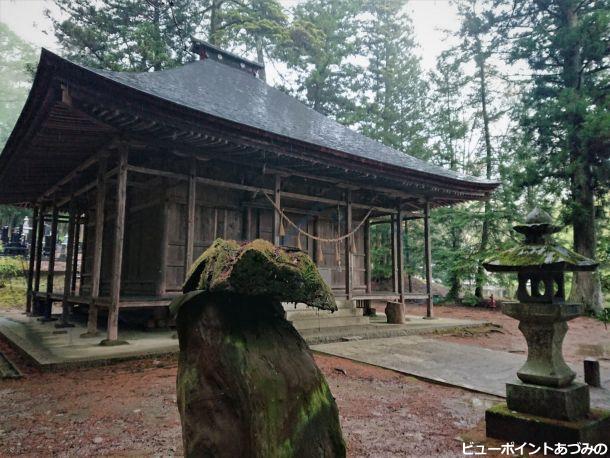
129,409
586,337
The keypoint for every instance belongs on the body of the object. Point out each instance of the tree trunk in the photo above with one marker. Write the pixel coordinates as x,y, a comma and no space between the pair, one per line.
586,286
480,276
214,22
455,285
260,56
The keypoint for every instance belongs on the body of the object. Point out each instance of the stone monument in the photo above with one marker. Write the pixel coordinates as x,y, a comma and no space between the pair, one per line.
247,383
545,404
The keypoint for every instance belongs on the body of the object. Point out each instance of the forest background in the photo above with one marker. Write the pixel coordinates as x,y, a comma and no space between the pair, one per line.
520,94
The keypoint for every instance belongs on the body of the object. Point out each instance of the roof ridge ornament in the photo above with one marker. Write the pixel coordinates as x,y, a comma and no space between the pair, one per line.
207,50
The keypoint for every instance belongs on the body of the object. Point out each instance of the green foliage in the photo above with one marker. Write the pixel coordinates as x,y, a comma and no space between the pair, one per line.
12,282
10,268
258,269
127,34
321,52
156,34
256,26
470,300
15,55
392,93
566,106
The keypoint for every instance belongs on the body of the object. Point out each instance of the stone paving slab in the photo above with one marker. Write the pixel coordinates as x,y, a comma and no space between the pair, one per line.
50,348
466,366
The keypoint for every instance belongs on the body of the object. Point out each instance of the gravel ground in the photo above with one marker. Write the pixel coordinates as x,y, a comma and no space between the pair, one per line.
130,408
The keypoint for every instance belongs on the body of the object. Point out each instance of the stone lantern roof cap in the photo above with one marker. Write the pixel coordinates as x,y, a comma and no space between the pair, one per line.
537,222
548,256
538,251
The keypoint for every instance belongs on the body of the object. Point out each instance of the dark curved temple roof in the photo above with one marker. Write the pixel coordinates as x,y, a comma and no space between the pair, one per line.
226,93
202,85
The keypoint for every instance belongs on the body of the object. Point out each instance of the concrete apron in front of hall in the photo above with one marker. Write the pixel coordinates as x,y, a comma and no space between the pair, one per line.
52,349
466,366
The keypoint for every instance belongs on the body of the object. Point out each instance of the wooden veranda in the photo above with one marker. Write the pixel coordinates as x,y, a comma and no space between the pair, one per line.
148,169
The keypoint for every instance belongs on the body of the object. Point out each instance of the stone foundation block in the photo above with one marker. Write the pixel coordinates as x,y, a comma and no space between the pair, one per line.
569,403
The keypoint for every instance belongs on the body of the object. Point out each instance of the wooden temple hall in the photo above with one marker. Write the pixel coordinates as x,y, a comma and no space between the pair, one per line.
146,169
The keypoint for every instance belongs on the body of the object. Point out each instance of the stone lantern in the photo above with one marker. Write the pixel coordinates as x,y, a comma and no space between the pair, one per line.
545,404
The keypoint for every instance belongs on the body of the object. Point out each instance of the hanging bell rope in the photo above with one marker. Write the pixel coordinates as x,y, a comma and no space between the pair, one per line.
311,236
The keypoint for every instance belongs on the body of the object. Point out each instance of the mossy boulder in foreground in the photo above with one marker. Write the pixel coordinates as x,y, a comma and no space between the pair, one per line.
247,383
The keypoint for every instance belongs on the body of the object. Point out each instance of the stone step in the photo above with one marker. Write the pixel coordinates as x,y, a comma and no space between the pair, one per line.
312,313
330,322
341,304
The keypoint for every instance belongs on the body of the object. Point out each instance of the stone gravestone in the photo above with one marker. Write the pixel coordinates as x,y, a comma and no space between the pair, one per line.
247,383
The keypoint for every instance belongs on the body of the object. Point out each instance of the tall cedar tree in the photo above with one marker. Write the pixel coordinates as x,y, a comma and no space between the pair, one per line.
449,136
147,35
259,27
392,92
391,100
566,44
477,43
128,34
321,52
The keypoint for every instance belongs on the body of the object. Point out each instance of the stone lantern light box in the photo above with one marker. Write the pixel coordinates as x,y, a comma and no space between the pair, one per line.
545,404
540,262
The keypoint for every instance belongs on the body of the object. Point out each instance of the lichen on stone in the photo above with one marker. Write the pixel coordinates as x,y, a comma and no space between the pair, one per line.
540,255
260,269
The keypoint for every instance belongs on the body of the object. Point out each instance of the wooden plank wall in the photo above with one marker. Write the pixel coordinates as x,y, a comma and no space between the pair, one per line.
141,252
219,212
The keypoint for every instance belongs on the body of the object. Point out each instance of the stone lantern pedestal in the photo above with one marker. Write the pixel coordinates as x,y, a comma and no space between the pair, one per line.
544,405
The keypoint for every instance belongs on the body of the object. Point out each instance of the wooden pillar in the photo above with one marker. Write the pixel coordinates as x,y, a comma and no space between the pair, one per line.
348,245
33,239
51,268
247,223
65,310
190,215
75,250
276,214
86,235
164,241
316,245
36,310
117,249
393,238
400,255
408,257
367,256
428,260
98,240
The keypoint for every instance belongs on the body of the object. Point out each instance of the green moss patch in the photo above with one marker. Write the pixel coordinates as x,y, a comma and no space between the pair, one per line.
258,269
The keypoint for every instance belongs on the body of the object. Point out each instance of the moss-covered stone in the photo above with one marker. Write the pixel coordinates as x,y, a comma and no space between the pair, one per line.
259,268
247,383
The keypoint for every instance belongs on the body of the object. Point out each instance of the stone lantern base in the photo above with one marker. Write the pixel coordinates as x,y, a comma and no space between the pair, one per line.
511,426
546,405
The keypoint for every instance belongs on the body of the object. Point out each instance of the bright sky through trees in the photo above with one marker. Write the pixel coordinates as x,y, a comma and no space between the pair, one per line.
26,18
